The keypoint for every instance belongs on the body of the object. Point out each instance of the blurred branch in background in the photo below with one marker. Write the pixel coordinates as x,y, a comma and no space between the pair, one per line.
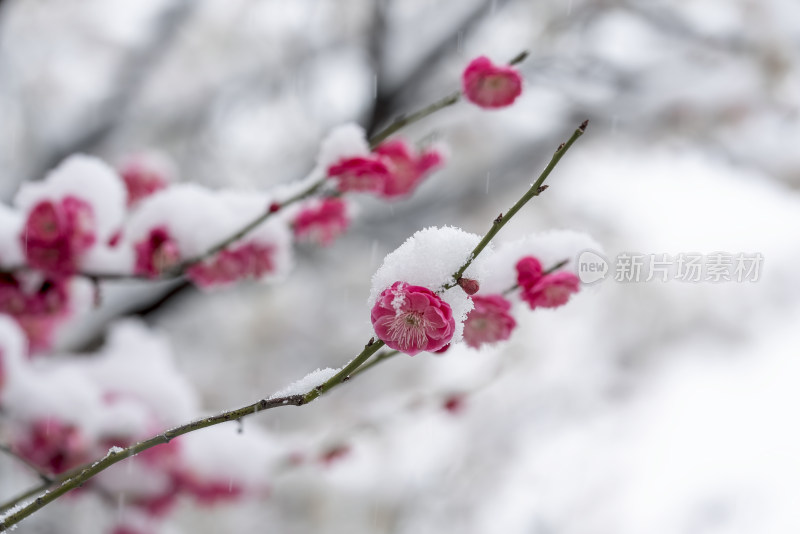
133,72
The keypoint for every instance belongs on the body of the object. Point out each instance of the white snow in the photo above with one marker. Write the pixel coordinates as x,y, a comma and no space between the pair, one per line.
11,223
307,383
347,140
194,216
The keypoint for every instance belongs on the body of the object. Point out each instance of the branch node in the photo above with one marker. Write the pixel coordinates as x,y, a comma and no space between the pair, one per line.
499,219
541,189
583,125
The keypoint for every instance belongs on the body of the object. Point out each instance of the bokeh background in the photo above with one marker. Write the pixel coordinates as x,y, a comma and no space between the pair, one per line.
639,407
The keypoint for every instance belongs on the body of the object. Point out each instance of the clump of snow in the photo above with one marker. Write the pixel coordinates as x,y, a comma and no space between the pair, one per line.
11,223
193,215
88,179
13,347
115,450
429,258
550,248
347,140
307,383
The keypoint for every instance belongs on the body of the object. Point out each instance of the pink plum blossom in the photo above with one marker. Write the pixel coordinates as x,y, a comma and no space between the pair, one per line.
157,253
322,221
529,271
248,261
407,169
489,321
412,319
53,445
360,174
491,86
57,233
392,171
208,490
544,290
38,310
142,178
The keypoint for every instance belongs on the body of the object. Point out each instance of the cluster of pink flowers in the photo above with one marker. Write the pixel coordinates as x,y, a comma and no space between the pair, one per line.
392,170
413,319
57,234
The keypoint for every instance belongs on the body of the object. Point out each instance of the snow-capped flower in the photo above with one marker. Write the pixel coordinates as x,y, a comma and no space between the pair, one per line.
57,234
489,322
406,168
360,174
491,86
412,319
544,291
322,221
157,253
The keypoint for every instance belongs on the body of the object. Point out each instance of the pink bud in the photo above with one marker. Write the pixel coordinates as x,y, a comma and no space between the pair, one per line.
469,285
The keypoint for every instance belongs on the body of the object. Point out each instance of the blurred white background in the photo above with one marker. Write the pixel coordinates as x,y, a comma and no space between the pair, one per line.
639,407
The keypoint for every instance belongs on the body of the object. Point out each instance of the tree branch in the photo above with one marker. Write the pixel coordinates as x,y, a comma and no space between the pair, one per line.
46,477
20,512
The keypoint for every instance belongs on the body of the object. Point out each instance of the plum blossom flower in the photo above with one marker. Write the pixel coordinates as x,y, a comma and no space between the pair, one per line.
489,322
407,169
544,290
359,174
322,221
251,260
57,233
144,175
412,319
491,86
37,310
157,253
392,171
53,445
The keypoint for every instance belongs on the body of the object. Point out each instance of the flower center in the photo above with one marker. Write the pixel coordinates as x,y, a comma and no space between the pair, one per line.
409,330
